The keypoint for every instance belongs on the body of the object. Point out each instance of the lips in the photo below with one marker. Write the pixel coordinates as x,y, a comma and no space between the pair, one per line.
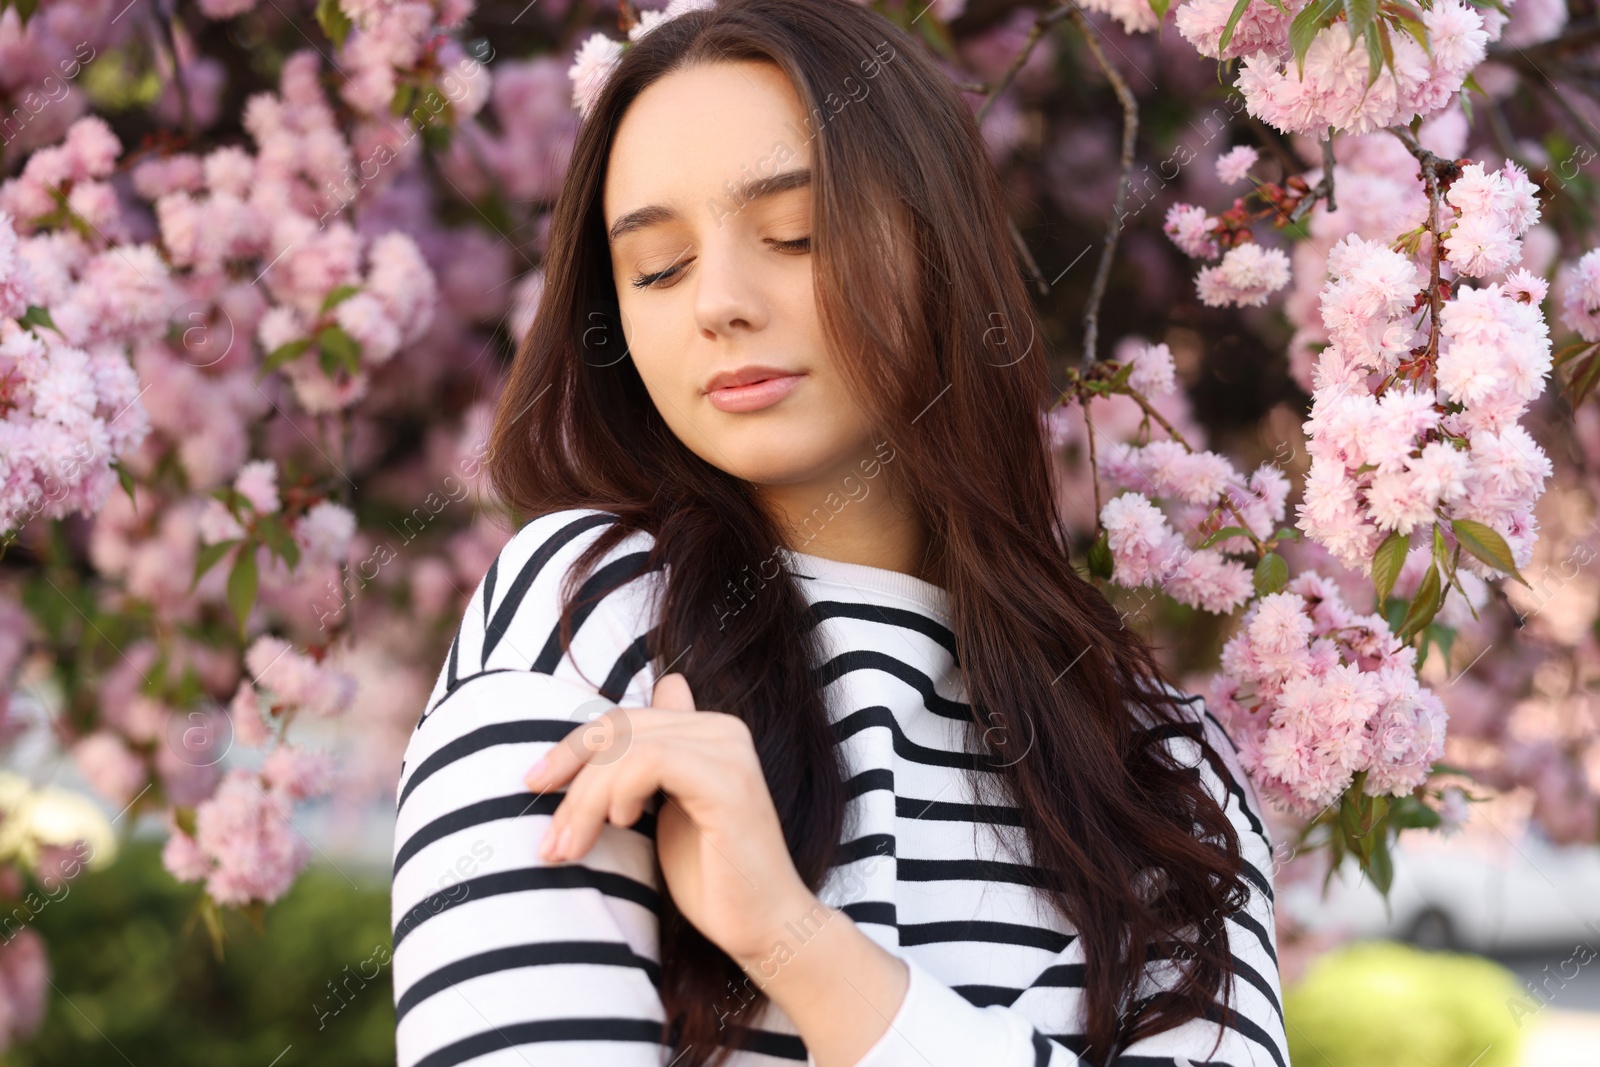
751,388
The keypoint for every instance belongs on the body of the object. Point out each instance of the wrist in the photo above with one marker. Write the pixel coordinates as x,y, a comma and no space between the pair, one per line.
791,923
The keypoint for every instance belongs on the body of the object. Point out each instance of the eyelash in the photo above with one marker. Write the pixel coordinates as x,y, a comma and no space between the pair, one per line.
646,281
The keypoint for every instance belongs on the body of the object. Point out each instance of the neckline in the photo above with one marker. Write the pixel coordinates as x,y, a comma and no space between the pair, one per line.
924,594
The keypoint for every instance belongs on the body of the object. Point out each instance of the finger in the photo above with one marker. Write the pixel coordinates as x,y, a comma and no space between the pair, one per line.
563,760
600,793
672,691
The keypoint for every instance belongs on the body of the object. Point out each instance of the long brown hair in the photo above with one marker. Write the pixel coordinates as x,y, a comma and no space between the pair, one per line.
1126,843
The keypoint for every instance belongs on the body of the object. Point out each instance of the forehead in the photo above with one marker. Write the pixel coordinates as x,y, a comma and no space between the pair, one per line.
697,133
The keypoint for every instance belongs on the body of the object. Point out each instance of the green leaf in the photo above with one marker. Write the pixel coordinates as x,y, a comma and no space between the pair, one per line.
1288,533
1272,573
1233,21
1573,350
1412,814
1100,561
1160,8
402,98
340,348
1359,14
1386,564
334,22
36,316
208,557
1223,534
1379,865
1424,606
242,585
125,479
278,539
1482,541
284,353
338,295
1374,54
1303,30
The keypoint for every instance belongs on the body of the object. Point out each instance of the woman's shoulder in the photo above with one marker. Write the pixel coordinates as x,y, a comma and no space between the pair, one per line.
512,620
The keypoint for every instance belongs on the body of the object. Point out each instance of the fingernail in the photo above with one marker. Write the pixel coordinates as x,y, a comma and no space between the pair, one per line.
548,846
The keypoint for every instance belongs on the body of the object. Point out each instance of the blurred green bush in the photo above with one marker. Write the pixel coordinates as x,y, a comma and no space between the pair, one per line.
1387,1004
137,979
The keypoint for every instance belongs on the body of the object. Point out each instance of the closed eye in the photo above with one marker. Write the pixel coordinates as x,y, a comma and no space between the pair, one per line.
647,281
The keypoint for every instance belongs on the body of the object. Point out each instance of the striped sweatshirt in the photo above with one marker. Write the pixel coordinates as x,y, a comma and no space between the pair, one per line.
501,958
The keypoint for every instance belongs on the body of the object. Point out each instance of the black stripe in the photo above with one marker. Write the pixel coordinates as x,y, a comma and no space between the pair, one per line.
520,585
1166,1061
455,687
876,912
982,996
513,806
867,781
595,953
870,660
1249,923
995,933
524,879
823,610
1243,969
453,670
767,1043
488,590
910,870
904,747
1251,1030
949,811
605,581
634,659
862,847
516,732
515,1034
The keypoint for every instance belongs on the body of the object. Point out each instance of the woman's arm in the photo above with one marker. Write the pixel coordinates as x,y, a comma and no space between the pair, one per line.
496,949
835,981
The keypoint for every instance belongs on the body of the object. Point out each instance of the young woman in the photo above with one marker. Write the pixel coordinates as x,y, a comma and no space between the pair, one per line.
835,758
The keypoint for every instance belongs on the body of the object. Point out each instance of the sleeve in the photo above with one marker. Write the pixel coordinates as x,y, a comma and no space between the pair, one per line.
937,1027
500,957
1255,1035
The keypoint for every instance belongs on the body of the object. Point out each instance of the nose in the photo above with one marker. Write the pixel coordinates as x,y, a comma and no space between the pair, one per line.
729,293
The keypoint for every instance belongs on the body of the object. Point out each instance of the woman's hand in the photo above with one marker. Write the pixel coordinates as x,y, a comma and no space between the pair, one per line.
718,838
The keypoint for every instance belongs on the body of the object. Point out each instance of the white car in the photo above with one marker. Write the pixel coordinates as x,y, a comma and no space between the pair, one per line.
1480,892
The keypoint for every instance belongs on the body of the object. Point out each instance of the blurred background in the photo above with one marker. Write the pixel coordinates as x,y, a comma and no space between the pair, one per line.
251,579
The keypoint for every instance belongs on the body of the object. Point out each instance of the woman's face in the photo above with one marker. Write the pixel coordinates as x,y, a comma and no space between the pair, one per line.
713,282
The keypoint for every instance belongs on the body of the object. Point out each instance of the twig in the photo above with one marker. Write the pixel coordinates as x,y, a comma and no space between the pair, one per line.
1434,169
1094,466
1130,131
1324,187
1172,432
1040,25
1027,257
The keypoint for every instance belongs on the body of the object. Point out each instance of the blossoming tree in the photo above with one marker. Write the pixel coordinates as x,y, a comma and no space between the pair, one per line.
261,267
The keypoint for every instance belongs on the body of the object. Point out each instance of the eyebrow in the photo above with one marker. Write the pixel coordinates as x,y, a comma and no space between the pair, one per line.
749,190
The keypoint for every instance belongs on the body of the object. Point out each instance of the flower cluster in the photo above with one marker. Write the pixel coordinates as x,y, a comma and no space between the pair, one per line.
598,55
1417,453
1249,272
1313,693
1206,493
69,404
243,845
1332,88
